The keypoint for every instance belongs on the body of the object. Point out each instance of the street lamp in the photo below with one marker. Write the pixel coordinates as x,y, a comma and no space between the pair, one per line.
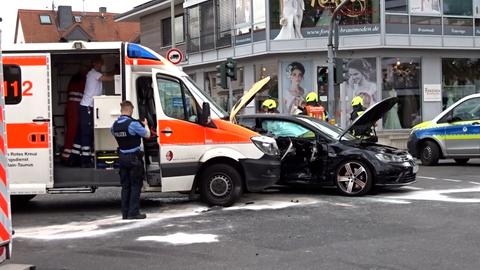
331,55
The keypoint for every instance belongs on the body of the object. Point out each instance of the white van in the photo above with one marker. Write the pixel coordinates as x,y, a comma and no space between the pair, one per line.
195,149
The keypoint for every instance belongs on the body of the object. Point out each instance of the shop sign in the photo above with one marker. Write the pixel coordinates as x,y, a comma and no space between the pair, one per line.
432,92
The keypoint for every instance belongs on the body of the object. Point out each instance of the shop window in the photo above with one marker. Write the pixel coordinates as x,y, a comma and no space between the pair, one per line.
358,17
423,7
12,84
426,25
460,78
262,70
456,7
396,24
258,20
396,6
401,77
458,26
477,27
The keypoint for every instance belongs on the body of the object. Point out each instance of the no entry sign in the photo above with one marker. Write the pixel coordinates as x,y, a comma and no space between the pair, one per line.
175,56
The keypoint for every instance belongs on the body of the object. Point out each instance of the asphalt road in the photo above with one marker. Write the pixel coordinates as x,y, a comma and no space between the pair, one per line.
433,224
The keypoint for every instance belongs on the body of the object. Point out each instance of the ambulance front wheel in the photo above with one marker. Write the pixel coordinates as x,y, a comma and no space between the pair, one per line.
221,184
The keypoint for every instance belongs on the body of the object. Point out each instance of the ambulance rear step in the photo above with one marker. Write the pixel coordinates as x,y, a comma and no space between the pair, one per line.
71,190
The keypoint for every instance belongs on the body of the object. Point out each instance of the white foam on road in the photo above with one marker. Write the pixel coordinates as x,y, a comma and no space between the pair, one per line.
426,177
440,195
451,180
114,224
182,238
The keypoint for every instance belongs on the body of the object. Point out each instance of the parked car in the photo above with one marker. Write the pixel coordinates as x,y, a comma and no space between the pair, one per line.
454,133
315,152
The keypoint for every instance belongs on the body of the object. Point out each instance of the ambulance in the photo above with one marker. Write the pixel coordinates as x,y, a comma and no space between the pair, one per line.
194,147
5,213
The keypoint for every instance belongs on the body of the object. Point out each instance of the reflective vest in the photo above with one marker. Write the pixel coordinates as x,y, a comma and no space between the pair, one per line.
125,140
316,112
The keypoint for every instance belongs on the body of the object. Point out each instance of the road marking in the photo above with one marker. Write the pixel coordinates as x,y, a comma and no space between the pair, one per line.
412,188
451,180
475,183
181,238
440,195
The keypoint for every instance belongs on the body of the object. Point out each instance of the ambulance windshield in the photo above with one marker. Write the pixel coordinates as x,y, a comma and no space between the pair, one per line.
138,51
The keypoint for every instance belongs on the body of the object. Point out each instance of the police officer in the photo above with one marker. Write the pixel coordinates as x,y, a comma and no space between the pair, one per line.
357,106
129,132
313,108
269,106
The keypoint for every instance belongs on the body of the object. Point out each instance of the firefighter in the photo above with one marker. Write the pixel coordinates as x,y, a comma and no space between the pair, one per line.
363,132
269,106
72,112
313,108
357,106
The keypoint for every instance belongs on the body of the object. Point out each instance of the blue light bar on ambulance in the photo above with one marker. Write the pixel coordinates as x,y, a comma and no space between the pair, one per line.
137,51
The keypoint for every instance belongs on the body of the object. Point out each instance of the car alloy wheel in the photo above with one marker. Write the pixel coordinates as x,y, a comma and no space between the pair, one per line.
353,178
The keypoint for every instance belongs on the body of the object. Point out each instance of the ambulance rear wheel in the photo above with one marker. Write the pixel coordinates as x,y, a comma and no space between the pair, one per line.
221,185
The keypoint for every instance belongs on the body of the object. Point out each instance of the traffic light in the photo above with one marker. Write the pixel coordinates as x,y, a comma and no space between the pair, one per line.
222,75
340,75
231,69
322,75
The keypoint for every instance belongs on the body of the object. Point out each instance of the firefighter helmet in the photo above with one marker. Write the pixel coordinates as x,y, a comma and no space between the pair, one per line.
270,104
358,100
312,97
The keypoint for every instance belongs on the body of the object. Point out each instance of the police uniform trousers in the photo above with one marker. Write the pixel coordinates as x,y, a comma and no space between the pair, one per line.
131,178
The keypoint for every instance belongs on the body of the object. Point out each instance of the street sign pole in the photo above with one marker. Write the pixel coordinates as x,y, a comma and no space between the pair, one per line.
331,55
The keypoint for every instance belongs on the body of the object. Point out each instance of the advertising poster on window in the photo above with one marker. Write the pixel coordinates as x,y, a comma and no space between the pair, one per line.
293,19
361,81
425,7
297,82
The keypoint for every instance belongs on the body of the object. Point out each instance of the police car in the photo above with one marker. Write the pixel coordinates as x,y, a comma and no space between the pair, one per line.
454,133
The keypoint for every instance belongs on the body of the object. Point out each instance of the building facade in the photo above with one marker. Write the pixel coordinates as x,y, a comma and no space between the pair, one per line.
425,52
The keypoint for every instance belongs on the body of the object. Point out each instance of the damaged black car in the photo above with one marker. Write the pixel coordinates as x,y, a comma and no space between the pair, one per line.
317,153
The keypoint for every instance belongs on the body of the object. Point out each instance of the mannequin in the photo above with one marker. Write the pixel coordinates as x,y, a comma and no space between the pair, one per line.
391,117
291,19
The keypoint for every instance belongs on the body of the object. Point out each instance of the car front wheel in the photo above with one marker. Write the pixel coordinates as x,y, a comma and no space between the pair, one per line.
221,185
354,178
429,154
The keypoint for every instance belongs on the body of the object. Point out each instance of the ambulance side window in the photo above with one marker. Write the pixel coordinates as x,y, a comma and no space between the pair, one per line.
177,102
12,84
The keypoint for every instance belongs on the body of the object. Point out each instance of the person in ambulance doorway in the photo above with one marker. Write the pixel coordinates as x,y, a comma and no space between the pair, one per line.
313,108
269,106
75,89
129,132
93,87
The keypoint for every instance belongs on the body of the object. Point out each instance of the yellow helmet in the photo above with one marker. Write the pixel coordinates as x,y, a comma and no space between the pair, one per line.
357,100
312,96
270,104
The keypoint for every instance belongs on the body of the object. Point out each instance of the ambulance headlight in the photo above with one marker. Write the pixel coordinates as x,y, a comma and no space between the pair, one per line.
266,144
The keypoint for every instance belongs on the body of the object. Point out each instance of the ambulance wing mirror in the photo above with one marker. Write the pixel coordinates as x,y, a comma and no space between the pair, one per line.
204,118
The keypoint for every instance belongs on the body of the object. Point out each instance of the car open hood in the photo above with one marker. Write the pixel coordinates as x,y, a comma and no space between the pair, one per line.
372,114
247,97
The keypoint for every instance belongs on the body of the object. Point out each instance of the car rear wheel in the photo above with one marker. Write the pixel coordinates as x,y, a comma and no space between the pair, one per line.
429,154
221,185
461,161
354,178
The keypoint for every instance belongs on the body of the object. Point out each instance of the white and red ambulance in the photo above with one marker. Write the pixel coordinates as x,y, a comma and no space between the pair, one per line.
5,214
195,147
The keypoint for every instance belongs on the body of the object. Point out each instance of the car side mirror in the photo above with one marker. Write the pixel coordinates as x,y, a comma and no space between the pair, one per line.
204,118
